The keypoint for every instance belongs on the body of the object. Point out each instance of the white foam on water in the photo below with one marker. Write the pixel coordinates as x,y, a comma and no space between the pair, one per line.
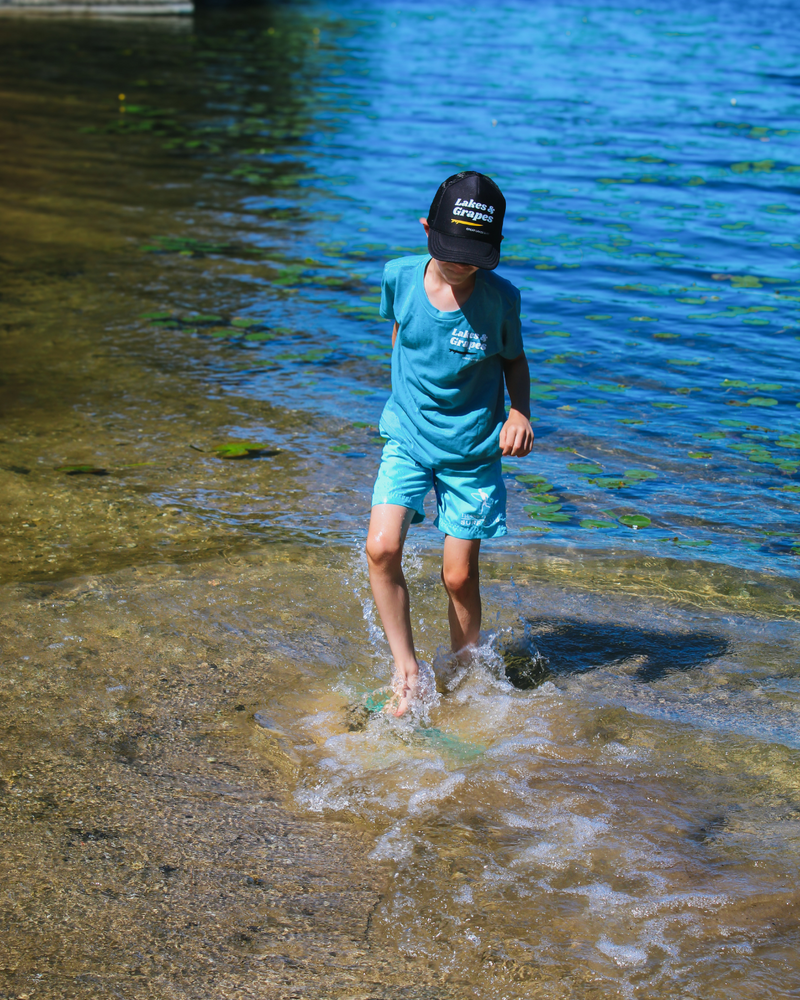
602,897
624,956
424,801
498,874
542,817
681,901
464,895
394,845
516,820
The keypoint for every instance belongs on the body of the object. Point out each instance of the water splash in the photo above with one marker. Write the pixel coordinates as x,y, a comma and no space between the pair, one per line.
425,697
503,656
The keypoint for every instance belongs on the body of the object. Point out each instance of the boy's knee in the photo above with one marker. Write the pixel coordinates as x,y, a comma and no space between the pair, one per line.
382,552
461,578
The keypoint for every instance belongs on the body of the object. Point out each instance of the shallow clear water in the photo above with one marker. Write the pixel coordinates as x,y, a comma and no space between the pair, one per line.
196,265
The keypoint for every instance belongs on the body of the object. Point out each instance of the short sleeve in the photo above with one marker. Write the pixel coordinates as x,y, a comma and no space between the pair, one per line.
388,282
512,330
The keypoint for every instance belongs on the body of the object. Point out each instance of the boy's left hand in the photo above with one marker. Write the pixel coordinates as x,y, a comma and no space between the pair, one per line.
516,436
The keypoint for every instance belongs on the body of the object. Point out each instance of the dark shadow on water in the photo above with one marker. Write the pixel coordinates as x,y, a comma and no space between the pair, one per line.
569,645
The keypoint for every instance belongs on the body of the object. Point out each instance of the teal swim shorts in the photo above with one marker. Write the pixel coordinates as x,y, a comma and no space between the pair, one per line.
470,501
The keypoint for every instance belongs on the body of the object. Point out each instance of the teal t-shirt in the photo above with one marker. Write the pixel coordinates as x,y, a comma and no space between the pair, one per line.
448,398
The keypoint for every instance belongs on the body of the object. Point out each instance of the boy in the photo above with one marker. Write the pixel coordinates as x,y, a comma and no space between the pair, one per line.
456,337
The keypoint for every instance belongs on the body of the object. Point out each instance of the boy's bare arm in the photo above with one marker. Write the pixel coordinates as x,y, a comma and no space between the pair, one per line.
516,436
394,334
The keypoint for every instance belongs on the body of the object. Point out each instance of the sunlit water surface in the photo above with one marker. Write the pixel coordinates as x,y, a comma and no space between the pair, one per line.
193,368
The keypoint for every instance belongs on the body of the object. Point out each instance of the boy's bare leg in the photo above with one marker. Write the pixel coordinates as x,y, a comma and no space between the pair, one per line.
388,526
461,580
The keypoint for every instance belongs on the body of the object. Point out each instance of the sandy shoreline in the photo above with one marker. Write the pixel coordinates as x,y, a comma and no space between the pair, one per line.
148,842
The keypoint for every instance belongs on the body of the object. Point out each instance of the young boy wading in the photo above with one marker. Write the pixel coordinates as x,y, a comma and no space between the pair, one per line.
456,339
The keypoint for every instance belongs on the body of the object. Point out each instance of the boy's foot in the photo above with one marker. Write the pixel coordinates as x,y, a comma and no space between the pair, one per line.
404,688
397,705
387,701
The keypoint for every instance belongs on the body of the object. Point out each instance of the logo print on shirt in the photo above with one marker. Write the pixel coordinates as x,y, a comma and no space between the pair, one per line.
467,341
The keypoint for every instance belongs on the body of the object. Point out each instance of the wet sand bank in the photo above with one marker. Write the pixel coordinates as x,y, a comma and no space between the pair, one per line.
148,840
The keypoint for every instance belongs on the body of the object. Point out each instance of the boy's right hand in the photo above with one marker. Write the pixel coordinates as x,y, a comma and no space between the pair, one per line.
516,435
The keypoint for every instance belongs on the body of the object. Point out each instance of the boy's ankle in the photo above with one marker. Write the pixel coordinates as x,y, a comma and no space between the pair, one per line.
410,670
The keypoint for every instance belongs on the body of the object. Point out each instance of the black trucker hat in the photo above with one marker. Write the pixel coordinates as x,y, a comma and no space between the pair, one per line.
466,220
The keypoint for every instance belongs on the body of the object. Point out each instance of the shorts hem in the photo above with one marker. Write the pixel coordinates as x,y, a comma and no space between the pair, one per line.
471,534
402,501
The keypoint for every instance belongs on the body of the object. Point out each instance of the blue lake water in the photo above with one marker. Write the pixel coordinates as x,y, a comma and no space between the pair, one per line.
650,158
200,211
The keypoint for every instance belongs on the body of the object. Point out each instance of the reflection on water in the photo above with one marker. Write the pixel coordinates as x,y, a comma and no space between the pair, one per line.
194,793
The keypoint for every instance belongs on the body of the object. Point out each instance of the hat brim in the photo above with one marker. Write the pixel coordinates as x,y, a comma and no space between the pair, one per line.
460,250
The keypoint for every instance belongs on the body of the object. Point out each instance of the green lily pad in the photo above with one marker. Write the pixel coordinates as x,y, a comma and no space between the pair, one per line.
587,468
635,521
535,484
711,435
551,516
591,522
535,508
546,498
539,489
610,482
700,454
767,386
629,420
735,383
240,449
640,475
242,322
762,401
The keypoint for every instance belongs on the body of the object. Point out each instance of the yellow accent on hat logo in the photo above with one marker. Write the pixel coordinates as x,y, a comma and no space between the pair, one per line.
462,222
